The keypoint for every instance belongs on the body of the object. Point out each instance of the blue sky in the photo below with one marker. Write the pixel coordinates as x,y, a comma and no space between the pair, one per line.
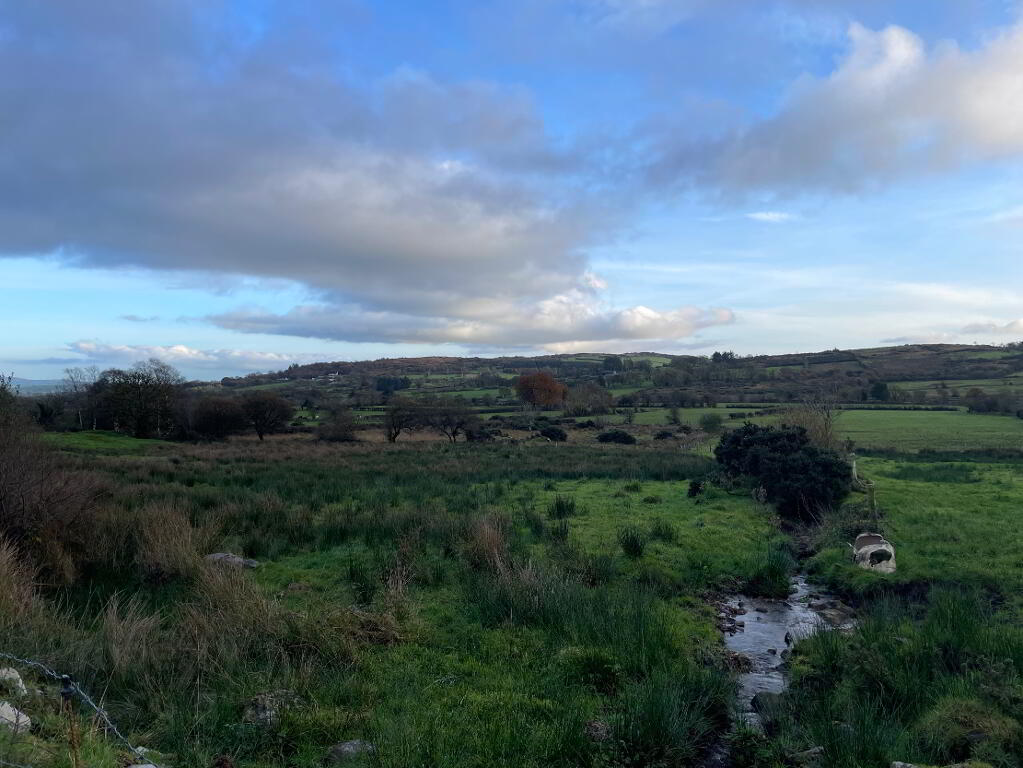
234,186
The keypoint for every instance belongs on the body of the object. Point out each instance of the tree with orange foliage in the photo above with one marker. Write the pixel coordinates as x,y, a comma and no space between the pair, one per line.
540,390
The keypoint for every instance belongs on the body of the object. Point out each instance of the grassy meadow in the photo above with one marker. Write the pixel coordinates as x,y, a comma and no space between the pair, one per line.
528,604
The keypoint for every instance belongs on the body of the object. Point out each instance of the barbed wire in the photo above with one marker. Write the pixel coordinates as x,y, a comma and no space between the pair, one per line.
68,683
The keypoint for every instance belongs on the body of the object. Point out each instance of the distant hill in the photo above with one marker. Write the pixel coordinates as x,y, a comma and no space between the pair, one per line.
938,371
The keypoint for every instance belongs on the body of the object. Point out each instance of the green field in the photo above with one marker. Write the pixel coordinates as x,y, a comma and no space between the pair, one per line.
486,605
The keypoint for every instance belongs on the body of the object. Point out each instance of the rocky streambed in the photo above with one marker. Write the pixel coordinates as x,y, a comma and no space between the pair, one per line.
760,632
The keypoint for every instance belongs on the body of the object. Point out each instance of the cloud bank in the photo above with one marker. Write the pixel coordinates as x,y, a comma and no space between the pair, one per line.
98,353
446,207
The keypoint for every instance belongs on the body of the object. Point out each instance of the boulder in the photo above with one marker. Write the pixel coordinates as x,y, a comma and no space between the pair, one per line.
231,560
348,750
11,680
873,552
265,708
14,719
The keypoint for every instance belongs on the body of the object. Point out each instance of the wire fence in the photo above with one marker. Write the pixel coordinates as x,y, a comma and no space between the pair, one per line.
69,690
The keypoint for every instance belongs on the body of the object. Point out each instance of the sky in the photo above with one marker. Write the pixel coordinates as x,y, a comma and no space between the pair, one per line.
237,185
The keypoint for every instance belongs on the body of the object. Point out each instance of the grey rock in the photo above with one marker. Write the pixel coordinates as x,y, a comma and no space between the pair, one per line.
807,756
14,719
232,560
348,750
11,680
265,709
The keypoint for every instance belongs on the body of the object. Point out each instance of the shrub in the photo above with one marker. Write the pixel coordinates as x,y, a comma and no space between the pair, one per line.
616,436
798,477
664,434
554,434
632,541
339,427
46,509
711,422
562,507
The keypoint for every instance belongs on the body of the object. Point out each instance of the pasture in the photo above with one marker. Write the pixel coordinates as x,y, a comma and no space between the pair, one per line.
528,605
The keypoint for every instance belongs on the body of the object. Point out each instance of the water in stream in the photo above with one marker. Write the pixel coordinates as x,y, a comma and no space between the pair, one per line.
763,631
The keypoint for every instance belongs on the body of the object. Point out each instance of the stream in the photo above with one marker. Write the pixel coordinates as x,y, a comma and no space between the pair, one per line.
760,633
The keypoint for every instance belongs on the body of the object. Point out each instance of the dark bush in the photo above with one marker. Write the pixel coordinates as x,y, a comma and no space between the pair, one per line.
664,434
616,436
797,477
554,434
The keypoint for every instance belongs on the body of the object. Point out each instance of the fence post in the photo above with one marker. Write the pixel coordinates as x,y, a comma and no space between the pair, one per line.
67,692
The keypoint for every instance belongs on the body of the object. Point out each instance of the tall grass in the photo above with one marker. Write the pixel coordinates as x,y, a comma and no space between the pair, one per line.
940,687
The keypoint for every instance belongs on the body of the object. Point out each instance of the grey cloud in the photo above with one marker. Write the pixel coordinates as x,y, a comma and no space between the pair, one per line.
153,149
996,329
140,319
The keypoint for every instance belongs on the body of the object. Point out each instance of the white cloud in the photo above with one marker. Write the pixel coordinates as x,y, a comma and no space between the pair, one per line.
94,352
771,217
891,108
571,317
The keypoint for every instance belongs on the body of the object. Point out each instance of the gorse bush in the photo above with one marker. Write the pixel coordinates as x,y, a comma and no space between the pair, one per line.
798,477
616,436
554,434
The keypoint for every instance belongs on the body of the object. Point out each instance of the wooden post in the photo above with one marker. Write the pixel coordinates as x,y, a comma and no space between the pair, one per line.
67,693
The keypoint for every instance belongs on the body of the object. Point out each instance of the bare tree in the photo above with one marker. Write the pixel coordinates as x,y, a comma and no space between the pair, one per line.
78,389
268,412
816,414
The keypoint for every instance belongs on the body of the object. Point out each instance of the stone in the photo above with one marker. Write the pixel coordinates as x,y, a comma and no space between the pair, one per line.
265,709
597,731
231,560
347,750
11,680
807,756
14,719
873,552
